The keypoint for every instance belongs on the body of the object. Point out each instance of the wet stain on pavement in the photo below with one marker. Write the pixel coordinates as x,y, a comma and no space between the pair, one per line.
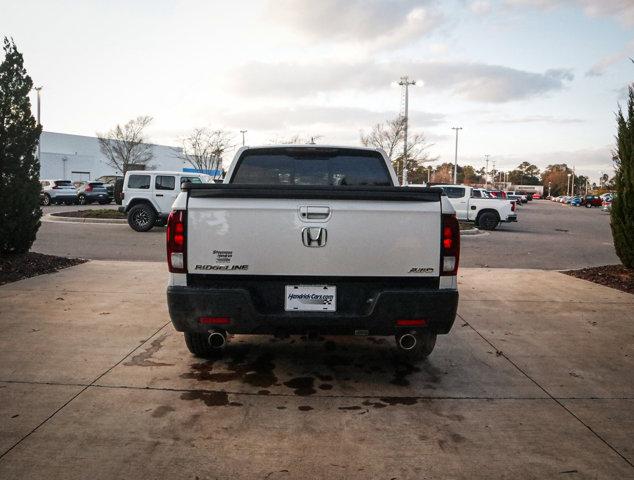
211,399
303,386
369,403
304,408
399,400
143,359
353,407
401,371
161,411
325,386
258,373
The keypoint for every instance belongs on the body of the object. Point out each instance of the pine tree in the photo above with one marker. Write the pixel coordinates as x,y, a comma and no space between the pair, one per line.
622,220
20,210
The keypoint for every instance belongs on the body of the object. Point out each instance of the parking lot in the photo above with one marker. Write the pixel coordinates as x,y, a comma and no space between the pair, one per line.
95,383
548,236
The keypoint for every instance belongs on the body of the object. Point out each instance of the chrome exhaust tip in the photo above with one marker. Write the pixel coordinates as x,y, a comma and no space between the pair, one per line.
217,339
407,341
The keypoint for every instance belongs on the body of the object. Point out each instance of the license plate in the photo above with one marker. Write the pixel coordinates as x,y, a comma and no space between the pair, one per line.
311,298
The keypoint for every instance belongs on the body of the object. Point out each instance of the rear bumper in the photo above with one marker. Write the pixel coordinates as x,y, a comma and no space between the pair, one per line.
62,196
187,304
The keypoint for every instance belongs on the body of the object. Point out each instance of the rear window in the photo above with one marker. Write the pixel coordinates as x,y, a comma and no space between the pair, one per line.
191,179
454,192
63,183
165,182
311,166
139,181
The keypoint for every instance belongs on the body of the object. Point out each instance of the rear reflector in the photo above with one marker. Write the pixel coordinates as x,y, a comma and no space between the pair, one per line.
415,322
214,320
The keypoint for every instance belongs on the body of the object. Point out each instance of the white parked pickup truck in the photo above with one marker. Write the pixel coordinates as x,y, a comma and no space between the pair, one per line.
486,213
312,240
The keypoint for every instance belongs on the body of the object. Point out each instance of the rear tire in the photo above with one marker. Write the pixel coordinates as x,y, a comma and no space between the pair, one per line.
488,221
198,345
82,200
46,200
423,349
141,218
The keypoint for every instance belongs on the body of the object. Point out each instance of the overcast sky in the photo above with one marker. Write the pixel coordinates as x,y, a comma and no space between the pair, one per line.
535,80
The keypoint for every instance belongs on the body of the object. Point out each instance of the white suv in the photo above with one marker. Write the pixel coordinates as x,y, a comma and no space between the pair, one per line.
148,195
58,191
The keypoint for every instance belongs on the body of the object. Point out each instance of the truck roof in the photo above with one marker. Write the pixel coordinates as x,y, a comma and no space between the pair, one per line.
309,146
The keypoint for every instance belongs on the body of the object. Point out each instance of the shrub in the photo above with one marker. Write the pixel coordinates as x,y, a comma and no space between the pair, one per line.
19,168
622,216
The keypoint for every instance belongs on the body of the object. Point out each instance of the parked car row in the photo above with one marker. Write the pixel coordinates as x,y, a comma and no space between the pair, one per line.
604,201
79,192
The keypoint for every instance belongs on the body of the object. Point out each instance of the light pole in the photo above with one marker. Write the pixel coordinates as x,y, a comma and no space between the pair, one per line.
405,82
38,89
568,185
455,166
572,183
549,189
486,170
428,175
243,132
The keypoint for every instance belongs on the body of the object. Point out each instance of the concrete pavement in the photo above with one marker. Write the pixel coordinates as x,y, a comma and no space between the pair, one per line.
534,381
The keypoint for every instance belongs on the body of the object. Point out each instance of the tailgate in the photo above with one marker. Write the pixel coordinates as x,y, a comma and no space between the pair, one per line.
371,233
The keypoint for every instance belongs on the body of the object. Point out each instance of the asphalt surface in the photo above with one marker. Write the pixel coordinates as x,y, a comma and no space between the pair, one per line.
548,236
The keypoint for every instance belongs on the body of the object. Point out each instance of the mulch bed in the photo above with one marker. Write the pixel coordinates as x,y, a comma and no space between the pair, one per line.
25,265
615,276
101,213
466,226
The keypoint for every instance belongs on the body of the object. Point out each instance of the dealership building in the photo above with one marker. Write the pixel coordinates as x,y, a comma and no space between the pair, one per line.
78,158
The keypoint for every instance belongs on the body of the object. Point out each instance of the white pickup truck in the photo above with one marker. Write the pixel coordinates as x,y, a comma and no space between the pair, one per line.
486,213
312,240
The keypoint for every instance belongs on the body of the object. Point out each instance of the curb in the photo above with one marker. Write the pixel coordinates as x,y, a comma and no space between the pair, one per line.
51,217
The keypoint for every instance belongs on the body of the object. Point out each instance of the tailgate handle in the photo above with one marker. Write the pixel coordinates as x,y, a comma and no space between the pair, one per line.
314,213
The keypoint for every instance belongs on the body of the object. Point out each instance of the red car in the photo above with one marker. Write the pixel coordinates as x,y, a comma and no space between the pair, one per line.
537,196
591,201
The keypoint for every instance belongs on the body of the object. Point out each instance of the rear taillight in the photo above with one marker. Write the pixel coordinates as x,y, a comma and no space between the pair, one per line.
176,242
512,206
450,245
88,188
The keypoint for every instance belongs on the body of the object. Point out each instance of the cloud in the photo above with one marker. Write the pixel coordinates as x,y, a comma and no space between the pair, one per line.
350,118
606,62
481,7
473,81
535,119
381,22
622,10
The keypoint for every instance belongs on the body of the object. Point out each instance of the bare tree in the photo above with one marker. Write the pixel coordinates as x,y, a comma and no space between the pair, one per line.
296,140
126,146
204,148
389,136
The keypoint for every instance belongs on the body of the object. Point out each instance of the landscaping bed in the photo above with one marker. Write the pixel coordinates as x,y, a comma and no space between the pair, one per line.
615,276
25,265
466,226
99,213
